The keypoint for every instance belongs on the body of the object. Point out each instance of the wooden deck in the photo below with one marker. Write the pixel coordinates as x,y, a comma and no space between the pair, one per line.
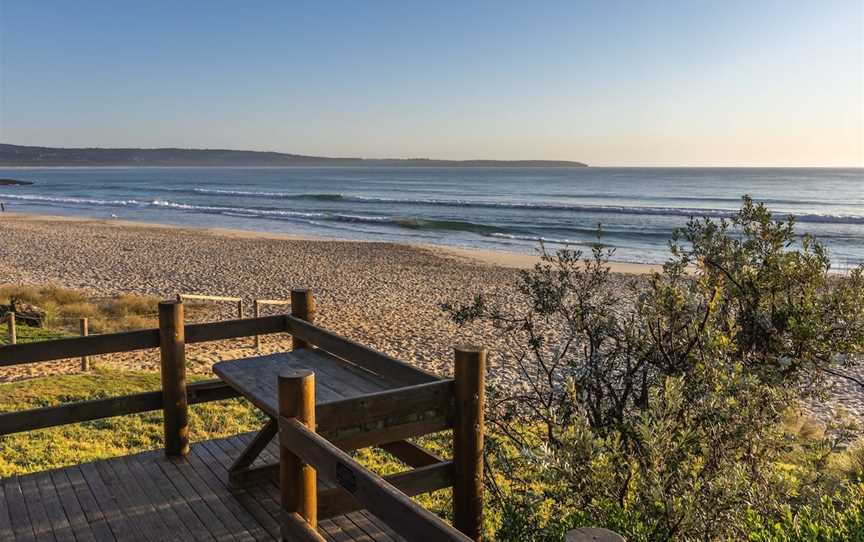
150,497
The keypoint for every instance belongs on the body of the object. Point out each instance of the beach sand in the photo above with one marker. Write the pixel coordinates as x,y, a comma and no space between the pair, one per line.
384,295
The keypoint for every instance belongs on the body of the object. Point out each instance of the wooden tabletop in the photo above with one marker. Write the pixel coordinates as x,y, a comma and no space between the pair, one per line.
256,378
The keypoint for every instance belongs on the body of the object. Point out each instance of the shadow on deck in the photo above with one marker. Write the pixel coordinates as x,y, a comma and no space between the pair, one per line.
150,497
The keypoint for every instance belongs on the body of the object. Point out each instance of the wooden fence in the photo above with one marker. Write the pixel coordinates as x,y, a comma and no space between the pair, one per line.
305,455
12,333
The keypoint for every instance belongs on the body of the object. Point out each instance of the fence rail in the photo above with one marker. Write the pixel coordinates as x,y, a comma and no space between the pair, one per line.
304,455
85,411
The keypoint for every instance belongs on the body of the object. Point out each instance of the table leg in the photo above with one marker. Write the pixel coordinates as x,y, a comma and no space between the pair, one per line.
240,472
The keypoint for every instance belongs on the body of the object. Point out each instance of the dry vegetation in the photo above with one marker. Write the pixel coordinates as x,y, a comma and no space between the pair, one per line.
65,308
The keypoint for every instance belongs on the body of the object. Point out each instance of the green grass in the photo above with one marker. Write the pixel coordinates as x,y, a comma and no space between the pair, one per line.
27,334
78,443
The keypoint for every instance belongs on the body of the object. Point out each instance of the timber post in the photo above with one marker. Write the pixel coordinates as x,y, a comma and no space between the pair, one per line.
11,328
302,307
297,480
468,428
256,307
240,309
85,331
175,407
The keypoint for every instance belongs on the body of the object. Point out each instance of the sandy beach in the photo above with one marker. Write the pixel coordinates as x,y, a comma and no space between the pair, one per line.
384,295
381,294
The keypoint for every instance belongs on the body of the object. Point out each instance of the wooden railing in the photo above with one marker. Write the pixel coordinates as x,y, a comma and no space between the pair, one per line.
173,399
304,455
425,405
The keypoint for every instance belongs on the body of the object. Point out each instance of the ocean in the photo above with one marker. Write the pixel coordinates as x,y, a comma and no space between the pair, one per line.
508,209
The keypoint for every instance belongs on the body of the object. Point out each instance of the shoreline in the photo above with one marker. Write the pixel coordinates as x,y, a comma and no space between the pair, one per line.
477,256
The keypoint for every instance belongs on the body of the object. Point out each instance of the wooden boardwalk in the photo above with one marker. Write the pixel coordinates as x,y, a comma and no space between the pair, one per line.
150,497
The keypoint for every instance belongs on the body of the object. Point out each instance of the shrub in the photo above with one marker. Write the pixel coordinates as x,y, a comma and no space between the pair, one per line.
656,406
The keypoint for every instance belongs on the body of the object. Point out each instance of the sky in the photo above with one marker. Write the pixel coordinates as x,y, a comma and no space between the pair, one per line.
612,83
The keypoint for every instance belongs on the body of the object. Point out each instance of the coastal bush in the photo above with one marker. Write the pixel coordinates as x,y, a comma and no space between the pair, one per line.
658,407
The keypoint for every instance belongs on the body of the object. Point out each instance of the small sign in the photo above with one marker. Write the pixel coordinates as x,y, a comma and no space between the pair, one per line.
345,478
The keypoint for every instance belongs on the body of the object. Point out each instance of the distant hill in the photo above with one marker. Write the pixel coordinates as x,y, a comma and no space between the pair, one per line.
18,155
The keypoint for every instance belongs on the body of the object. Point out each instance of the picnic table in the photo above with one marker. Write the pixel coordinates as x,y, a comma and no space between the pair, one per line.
336,380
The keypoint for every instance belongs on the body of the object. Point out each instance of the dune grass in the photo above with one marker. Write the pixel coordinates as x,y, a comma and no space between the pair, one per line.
65,307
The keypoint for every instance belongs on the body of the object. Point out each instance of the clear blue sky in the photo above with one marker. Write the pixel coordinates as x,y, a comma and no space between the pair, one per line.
608,82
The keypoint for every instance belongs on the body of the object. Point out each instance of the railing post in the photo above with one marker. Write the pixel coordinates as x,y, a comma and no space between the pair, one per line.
172,344
85,331
470,373
11,328
297,479
256,308
240,309
302,307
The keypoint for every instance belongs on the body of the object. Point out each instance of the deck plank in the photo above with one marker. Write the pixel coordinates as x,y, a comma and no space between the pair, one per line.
20,519
86,499
205,506
219,462
149,497
71,507
5,522
36,510
107,504
56,514
170,494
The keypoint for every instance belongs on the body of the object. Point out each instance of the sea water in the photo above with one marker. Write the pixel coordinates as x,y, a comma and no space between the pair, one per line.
509,209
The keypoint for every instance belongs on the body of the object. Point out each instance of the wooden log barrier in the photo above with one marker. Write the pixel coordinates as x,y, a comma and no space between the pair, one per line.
85,331
470,372
297,480
175,407
256,308
11,328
